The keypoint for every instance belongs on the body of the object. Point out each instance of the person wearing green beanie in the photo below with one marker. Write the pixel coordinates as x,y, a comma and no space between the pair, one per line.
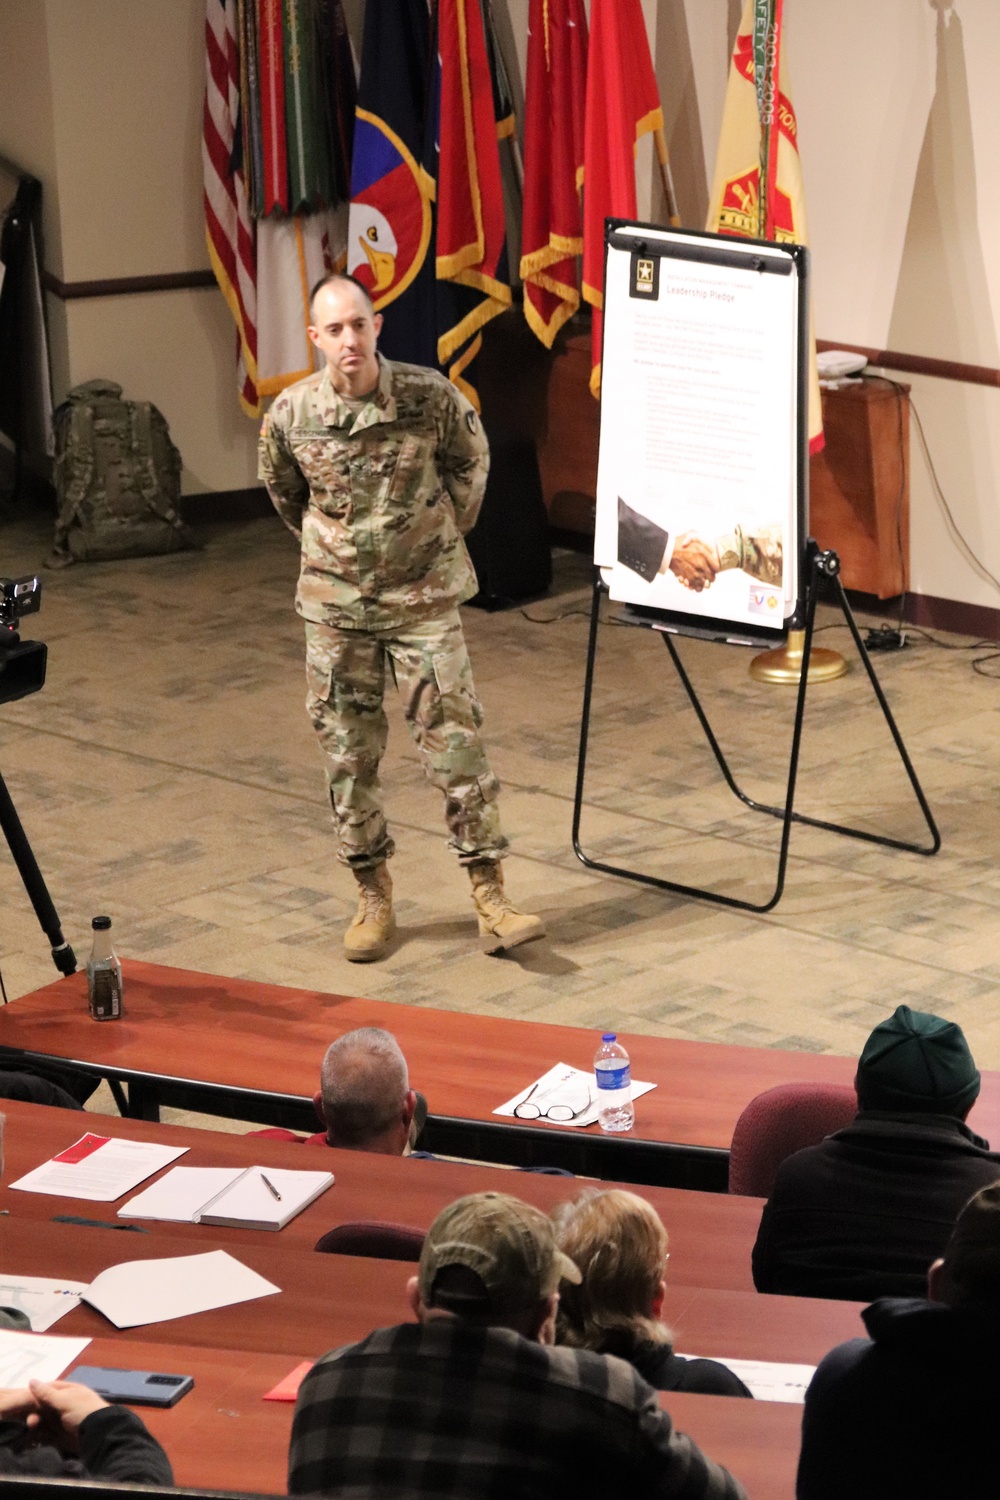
863,1214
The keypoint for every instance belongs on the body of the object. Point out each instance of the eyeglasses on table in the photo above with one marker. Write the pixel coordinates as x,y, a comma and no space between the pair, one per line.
559,1114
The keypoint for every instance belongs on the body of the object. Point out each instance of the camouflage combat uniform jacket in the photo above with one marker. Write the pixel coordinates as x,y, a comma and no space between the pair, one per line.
381,499
759,554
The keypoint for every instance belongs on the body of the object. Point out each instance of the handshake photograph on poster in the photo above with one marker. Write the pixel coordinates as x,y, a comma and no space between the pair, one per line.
696,560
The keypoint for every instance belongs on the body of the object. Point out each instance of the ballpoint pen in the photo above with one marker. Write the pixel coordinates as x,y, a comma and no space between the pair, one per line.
270,1187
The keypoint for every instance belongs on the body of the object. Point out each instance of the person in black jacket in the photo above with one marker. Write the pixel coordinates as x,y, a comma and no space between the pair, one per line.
620,1245
910,1412
863,1214
62,1430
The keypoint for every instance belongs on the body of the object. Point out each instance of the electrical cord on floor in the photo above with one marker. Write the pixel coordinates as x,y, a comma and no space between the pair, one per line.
553,619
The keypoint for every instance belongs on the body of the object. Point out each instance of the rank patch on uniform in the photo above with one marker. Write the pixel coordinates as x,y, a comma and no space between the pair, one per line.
470,420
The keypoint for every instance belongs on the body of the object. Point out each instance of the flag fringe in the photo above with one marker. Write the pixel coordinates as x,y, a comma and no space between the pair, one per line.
455,372
477,318
546,332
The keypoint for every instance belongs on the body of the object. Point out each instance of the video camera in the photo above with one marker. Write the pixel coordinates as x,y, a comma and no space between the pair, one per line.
22,663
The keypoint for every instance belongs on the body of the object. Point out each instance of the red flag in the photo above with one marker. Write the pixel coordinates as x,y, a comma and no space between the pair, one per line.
471,226
229,229
623,104
274,145
554,104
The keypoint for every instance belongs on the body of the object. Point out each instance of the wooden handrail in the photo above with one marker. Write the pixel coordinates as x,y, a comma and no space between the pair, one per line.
919,364
126,286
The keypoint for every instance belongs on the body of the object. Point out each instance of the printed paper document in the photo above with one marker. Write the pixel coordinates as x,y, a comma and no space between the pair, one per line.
565,1091
35,1356
768,1381
42,1300
98,1168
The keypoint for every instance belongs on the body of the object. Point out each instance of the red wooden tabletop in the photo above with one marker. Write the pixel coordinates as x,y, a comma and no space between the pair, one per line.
329,1300
224,1435
240,1033
711,1234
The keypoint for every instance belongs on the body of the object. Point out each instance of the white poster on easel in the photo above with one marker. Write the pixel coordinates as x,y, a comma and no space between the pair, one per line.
698,500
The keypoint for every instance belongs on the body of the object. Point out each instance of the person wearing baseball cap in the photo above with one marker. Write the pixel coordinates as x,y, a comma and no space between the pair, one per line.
474,1398
862,1214
908,1413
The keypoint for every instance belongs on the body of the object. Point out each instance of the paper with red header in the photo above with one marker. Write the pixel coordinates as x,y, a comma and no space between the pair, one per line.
98,1168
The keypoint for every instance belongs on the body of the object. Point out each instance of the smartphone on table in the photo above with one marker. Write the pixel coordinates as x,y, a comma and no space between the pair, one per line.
133,1387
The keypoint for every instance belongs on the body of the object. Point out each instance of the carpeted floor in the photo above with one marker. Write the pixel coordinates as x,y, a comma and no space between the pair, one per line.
167,775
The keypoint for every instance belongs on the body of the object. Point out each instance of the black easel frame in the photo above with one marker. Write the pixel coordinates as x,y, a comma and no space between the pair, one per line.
818,565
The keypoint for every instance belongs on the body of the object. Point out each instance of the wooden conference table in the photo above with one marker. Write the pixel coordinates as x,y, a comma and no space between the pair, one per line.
327,1300
252,1051
224,1434
711,1234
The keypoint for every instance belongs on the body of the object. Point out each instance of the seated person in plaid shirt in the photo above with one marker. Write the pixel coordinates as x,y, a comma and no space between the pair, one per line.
473,1399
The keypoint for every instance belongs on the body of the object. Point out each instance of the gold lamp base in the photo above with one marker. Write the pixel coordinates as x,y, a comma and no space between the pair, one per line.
784,665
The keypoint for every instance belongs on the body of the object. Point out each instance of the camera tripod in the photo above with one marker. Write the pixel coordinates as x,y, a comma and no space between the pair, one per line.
31,876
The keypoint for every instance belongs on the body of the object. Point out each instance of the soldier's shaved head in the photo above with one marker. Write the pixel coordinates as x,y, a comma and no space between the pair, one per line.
331,279
345,330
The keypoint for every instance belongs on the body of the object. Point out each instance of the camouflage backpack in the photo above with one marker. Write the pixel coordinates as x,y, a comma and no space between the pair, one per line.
118,478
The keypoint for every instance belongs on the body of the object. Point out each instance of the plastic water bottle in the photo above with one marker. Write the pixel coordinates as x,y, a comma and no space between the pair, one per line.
615,1110
104,974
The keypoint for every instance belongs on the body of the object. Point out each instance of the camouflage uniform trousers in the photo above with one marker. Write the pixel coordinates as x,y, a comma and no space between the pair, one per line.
430,666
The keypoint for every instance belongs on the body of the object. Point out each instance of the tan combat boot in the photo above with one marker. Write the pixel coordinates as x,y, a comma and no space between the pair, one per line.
369,934
501,925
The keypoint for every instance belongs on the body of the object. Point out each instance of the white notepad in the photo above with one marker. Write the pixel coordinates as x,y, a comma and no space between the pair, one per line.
233,1197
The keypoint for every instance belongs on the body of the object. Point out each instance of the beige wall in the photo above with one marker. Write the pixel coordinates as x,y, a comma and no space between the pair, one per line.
899,117
103,101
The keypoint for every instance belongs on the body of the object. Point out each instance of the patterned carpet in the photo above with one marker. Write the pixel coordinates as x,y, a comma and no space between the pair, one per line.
167,775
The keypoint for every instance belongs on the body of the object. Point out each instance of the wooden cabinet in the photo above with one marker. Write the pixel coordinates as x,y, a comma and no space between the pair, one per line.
859,501
567,447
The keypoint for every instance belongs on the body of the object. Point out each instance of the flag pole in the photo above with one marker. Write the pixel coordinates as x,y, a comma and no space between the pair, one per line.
666,178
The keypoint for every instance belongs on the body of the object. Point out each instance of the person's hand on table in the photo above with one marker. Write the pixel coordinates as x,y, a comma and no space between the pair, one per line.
52,1410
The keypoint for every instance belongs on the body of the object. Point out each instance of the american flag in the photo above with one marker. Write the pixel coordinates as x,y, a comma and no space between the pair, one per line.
229,229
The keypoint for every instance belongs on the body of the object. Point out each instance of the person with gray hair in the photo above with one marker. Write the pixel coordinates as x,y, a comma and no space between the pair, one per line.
364,1099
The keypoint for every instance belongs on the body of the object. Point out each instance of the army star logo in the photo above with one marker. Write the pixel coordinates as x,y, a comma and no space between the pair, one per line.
470,421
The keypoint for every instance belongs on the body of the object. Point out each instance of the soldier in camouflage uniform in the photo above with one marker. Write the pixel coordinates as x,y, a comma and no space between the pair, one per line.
379,469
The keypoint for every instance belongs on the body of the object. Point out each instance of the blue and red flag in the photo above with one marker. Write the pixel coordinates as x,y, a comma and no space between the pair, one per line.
426,234
390,228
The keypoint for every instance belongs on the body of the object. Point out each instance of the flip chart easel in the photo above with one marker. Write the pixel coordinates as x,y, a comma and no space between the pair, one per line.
706,353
